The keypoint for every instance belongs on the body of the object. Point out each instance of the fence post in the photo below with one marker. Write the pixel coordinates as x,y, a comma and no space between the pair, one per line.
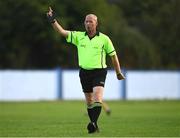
59,83
124,86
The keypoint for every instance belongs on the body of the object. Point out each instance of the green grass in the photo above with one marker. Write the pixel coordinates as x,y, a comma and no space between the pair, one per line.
68,119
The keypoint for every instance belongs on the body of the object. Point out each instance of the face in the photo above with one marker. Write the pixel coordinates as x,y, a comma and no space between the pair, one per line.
90,23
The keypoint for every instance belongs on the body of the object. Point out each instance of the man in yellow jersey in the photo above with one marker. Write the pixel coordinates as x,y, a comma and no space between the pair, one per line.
92,46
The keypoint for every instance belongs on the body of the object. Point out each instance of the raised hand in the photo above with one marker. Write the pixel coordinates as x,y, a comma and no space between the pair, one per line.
50,12
51,15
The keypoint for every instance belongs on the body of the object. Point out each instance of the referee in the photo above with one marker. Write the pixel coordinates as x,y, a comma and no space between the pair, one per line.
92,46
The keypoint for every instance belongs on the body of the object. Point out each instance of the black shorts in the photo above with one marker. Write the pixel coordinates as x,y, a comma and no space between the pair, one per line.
92,78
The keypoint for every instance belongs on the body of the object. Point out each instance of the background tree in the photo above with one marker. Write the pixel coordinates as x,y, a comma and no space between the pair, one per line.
159,21
144,33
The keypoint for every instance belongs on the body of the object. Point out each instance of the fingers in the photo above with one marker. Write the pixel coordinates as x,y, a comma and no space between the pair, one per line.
120,76
50,9
50,12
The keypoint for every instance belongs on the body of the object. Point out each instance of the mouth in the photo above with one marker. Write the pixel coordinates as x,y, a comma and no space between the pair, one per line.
89,28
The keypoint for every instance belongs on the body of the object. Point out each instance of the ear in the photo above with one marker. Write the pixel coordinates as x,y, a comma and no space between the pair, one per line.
96,23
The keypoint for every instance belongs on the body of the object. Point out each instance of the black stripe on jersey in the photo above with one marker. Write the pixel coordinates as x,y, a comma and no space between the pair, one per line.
102,56
111,52
71,37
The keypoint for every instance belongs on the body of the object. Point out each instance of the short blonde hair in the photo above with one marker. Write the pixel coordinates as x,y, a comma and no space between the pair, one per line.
93,16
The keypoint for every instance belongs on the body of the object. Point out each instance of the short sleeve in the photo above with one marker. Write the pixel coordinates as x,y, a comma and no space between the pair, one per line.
109,47
72,37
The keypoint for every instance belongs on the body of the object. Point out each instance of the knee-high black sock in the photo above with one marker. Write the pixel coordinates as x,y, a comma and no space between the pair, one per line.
90,112
94,111
97,111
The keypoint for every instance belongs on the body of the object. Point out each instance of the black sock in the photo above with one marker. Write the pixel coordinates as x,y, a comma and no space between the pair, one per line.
90,112
94,111
97,111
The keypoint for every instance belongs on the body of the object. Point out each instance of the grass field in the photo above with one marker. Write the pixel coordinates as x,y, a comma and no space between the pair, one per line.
69,119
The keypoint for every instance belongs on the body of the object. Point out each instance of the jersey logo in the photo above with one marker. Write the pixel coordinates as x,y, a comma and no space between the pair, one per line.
82,45
95,47
82,38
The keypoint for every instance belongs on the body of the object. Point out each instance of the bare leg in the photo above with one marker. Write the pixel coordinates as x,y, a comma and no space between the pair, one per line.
106,108
94,101
98,93
89,98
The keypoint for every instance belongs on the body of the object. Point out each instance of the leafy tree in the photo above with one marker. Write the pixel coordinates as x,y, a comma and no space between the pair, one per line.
22,32
159,21
144,33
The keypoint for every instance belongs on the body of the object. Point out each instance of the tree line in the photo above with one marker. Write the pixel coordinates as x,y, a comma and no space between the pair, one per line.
145,34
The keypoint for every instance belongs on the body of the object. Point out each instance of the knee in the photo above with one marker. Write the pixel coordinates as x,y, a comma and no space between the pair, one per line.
89,101
98,99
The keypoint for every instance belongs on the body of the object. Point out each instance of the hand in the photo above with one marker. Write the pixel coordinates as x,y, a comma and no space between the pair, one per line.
50,12
51,15
120,76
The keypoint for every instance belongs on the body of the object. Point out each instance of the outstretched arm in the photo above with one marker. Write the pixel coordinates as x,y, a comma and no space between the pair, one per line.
55,24
117,67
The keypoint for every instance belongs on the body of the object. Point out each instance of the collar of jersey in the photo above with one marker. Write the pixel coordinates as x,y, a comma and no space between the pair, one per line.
97,34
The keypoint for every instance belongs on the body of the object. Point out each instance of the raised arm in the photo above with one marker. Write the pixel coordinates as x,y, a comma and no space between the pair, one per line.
55,24
117,67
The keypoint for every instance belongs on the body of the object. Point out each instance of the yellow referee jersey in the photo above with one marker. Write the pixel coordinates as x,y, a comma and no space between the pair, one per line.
91,52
